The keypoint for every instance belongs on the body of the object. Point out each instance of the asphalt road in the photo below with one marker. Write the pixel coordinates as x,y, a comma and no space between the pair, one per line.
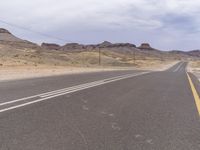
116,110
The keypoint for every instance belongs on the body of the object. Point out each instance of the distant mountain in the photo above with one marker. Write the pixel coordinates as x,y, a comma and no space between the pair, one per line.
195,53
9,39
51,46
77,47
145,46
192,53
143,51
72,47
105,44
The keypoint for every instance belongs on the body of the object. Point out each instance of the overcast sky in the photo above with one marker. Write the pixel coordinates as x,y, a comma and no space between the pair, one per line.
165,24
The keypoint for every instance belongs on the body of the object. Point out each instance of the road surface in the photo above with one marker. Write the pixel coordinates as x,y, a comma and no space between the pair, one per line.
116,110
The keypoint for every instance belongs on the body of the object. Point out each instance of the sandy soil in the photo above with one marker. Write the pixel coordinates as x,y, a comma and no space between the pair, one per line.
155,65
12,73
194,67
22,72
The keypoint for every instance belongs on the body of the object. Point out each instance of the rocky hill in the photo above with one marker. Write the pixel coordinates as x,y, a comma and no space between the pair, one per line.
16,51
9,39
145,46
51,46
105,44
72,47
195,53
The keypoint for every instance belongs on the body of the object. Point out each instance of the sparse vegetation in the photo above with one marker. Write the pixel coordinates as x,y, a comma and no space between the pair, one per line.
194,66
19,53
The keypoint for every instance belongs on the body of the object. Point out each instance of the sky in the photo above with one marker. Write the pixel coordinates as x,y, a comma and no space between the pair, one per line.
165,24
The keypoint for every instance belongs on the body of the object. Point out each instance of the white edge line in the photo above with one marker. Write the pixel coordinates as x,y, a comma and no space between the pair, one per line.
88,84
60,90
42,99
178,67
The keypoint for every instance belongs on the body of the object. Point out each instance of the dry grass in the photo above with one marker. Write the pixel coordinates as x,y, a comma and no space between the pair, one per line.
18,63
21,72
157,65
194,67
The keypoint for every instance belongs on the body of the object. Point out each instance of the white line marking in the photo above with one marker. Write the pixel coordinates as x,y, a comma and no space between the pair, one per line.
178,67
61,90
186,67
80,87
69,89
88,85
18,100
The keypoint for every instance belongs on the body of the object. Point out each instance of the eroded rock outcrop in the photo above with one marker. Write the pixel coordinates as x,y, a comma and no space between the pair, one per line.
145,46
4,31
8,38
72,46
50,46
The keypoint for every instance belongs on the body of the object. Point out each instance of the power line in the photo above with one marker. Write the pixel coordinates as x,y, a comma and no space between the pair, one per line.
33,31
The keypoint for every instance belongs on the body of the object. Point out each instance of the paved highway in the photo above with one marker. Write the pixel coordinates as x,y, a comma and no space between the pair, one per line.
116,110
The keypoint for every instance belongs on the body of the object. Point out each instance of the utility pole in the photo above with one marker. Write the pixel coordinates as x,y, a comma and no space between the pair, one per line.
83,60
99,56
133,56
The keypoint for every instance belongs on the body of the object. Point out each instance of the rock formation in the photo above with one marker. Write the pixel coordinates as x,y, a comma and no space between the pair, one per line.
72,46
4,31
50,46
9,39
145,46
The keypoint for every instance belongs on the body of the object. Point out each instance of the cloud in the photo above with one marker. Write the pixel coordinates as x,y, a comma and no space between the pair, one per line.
164,23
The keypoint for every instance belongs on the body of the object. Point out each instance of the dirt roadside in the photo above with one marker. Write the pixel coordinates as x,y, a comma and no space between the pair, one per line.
22,72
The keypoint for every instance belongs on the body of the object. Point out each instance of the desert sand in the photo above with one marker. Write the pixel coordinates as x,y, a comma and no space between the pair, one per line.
194,67
23,72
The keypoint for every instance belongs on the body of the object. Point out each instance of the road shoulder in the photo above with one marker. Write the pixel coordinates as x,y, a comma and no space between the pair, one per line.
16,73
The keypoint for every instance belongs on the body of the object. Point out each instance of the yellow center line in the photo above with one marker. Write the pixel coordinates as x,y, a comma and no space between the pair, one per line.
195,94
